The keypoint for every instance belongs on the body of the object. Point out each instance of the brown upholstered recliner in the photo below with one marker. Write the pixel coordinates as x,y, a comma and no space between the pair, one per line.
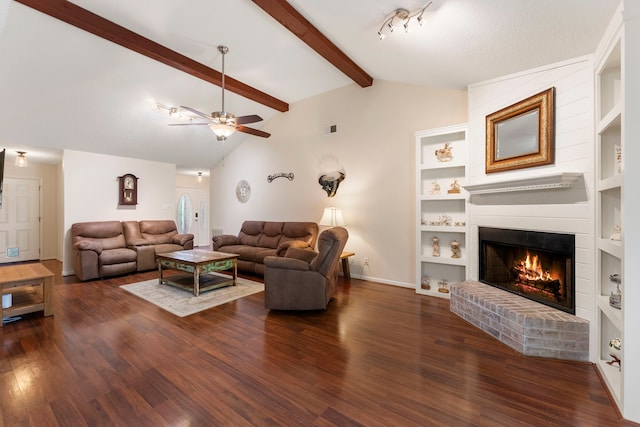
303,279
100,250
152,237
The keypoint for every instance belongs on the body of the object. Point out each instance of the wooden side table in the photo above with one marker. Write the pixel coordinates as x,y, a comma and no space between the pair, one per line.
346,271
30,287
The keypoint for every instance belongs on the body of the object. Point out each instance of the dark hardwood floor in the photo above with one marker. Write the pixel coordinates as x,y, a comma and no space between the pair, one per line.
379,356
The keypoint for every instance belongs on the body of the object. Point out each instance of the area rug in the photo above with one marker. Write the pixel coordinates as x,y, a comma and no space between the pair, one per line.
183,303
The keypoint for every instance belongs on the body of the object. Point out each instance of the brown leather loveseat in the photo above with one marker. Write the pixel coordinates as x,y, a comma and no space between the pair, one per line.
111,248
260,239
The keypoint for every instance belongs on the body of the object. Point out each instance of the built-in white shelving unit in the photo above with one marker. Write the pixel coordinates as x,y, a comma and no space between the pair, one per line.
610,154
439,213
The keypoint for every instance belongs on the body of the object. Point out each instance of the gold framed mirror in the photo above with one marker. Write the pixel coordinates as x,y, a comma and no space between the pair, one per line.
521,135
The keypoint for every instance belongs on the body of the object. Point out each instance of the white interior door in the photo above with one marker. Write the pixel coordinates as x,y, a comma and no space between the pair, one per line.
20,220
199,224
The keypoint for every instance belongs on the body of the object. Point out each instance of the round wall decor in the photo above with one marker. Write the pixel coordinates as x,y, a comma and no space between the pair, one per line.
243,191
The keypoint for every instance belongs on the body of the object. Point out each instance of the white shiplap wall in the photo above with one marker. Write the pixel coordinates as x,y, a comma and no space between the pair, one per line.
560,211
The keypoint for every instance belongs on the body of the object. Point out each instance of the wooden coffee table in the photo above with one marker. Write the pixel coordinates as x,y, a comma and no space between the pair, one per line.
200,266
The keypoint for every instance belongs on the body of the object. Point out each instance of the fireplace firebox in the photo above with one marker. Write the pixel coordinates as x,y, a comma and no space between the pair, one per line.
536,265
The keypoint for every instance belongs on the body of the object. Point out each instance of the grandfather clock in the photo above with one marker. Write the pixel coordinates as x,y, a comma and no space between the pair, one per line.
128,187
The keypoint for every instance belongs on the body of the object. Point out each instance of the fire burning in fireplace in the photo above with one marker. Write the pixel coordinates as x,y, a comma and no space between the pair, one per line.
531,273
535,265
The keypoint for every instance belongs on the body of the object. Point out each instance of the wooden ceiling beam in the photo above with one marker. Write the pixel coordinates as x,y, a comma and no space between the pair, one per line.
75,15
291,19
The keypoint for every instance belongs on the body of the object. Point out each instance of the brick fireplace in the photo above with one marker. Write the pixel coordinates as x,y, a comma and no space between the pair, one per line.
525,304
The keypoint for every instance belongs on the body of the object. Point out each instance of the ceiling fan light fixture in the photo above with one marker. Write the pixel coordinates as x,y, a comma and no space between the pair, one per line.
222,130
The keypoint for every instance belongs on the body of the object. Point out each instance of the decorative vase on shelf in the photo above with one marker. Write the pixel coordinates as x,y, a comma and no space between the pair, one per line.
436,247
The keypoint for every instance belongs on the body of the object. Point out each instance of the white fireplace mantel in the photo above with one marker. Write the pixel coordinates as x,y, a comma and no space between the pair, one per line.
547,182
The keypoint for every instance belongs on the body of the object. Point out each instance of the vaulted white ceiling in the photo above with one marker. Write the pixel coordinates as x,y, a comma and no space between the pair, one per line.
61,87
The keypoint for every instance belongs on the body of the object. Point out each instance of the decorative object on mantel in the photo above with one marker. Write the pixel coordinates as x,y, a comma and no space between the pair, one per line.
521,135
617,156
454,188
243,191
615,351
426,282
128,190
443,286
615,299
455,249
435,188
617,233
562,180
435,247
444,154
289,176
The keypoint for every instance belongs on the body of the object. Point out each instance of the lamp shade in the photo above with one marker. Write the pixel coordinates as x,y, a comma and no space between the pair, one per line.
332,217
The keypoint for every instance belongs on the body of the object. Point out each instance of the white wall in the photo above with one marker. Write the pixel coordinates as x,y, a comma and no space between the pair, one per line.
560,211
374,143
91,191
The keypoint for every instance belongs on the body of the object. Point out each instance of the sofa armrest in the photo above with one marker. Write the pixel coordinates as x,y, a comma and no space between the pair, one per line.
284,246
88,245
286,263
224,240
305,255
181,239
133,243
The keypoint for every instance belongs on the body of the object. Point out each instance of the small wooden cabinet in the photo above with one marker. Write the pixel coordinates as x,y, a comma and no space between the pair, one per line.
30,287
128,189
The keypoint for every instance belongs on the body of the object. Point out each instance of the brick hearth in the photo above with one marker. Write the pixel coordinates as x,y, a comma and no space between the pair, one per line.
528,327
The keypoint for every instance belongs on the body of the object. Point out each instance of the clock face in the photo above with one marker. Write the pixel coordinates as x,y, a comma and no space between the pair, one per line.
128,183
243,191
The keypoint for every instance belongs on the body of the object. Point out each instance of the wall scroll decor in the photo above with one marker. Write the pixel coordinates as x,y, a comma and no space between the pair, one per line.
521,135
289,176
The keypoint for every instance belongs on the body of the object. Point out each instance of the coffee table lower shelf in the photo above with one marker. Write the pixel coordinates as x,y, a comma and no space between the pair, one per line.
207,282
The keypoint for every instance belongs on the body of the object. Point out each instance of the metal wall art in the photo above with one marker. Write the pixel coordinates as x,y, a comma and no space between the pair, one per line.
289,176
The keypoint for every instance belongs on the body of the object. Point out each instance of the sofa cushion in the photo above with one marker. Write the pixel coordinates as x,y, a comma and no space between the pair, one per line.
250,233
107,234
159,231
117,256
246,253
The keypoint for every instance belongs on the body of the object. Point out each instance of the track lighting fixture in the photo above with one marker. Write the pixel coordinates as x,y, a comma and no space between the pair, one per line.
404,16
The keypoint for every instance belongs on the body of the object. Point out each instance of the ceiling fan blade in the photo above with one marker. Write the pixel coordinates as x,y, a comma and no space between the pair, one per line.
201,114
188,124
243,120
252,131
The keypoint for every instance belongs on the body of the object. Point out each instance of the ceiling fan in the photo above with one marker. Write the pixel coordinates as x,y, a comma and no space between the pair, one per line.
221,123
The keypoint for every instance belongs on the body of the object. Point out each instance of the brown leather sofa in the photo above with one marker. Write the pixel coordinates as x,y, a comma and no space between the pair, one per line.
111,248
305,280
259,239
